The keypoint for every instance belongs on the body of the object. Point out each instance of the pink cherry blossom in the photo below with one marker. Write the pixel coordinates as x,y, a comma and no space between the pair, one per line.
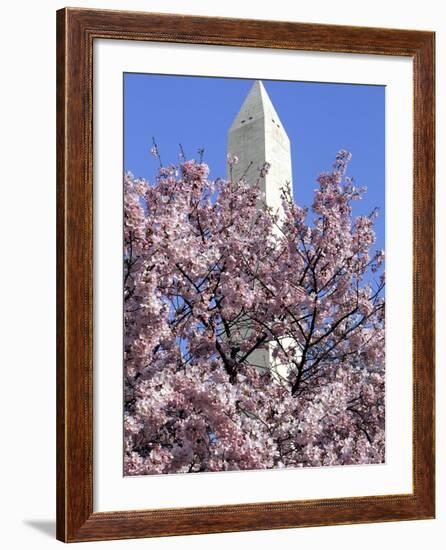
213,279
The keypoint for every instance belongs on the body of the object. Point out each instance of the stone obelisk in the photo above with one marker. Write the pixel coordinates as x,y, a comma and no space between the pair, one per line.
255,137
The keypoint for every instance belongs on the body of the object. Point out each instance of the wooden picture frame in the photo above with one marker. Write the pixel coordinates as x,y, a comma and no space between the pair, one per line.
76,31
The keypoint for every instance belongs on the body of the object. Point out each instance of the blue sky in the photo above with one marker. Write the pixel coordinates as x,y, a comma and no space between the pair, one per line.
319,119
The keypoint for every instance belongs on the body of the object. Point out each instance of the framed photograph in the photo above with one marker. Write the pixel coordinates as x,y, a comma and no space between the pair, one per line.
245,222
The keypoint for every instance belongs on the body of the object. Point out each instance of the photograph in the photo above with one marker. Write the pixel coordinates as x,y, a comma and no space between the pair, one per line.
253,274
245,273
223,234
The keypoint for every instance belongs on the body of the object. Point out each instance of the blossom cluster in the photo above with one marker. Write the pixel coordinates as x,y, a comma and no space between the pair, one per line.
215,279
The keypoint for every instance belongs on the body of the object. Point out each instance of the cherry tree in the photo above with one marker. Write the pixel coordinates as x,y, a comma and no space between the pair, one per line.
212,278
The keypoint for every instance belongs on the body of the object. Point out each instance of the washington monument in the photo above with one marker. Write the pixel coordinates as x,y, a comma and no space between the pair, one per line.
256,137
